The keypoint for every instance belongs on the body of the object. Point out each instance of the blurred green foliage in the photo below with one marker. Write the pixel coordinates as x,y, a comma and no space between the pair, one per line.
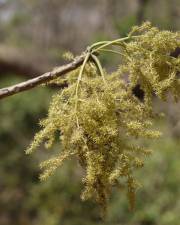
123,26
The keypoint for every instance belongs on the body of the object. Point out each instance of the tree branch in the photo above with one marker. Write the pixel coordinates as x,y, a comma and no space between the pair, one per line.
29,84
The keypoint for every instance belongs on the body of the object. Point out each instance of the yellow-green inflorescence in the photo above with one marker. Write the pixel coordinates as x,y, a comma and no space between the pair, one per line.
98,118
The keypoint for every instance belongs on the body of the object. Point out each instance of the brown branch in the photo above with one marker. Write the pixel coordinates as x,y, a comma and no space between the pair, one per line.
29,84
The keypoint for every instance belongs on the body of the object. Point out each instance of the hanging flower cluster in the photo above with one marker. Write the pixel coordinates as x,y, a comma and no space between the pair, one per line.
98,118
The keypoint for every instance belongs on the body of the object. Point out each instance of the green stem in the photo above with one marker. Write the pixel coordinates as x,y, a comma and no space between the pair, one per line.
103,44
98,43
110,43
80,76
112,51
98,64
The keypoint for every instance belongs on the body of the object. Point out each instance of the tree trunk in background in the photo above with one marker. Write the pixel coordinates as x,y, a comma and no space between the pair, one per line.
141,11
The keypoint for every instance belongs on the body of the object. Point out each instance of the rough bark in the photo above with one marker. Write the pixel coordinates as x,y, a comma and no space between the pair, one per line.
31,83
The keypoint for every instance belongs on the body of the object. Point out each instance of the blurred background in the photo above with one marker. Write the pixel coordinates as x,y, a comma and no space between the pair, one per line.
33,36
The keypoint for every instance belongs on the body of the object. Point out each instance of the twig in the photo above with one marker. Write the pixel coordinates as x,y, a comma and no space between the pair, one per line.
29,84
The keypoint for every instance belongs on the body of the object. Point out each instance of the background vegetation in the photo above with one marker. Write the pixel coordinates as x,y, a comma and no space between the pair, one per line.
33,35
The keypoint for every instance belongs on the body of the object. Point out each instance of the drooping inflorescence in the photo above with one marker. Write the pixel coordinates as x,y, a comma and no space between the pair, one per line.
98,118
